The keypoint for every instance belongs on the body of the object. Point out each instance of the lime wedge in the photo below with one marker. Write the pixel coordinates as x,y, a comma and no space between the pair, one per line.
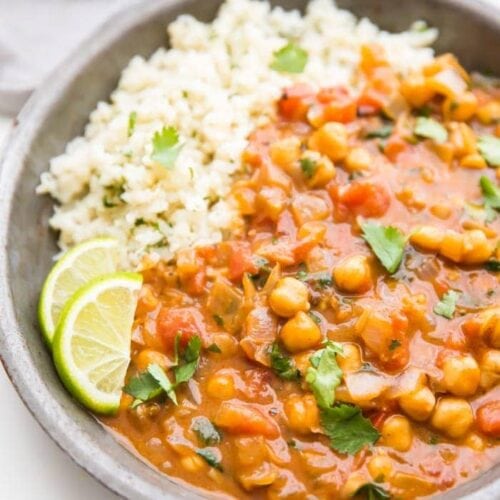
91,346
77,267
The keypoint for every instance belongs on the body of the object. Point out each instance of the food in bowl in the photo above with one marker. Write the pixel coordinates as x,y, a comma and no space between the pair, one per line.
282,279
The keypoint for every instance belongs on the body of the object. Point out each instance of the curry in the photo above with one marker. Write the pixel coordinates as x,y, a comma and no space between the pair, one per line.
347,341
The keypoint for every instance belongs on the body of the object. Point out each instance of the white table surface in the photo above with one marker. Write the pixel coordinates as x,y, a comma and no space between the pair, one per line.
31,465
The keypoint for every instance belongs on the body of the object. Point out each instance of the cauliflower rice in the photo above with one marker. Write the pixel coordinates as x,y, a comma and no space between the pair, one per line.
214,85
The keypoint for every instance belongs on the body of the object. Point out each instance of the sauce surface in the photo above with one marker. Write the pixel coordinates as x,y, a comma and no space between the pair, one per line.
349,337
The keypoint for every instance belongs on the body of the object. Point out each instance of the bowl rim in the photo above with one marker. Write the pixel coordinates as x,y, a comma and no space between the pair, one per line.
14,352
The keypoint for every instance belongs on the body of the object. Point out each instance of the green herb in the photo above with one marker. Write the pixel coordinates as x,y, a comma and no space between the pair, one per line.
206,432
433,439
372,491
160,376
210,457
491,195
324,281
290,59
218,320
143,387
419,26
492,265
139,222
191,357
113,193
308,167
132,119
446,306
347,429
324,375
166,146
383,132
424,111
214,348
302,275
430,129
387,243
479,212
282,364
315,317
394,344
489,147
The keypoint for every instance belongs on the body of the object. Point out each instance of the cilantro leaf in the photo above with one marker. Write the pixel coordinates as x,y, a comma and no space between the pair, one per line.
383,132
166,146
489,147
446,306
308,167
491,193
387,243
156,371
191,356
492,265
394,344
372,491
282,364
214,348
429,128
324,375
132,119
347,429
143,387
289,59
206,432
210,457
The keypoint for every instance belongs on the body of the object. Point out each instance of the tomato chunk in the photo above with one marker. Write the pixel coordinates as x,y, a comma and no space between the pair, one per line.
488,419
186,321
338,105
295,101
243,418
365,198
240,260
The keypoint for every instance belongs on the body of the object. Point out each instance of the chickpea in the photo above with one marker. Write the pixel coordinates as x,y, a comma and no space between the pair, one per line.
474,160
355,480
463,139
489,322
221,385
452,245
418,404
350,359
151,357
302,413
397,433
489,113
416,90
300,333
460,108
461,375
441,211
452,416
353,274
324,172
357,160
427,237
285,152
490,368
380,466
271,201
475,441
227,344
288,297
330,140
476,247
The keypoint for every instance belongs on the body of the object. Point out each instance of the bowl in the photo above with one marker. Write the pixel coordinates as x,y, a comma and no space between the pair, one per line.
56,113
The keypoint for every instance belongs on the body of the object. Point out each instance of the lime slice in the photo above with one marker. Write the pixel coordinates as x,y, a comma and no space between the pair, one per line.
91,345
77,267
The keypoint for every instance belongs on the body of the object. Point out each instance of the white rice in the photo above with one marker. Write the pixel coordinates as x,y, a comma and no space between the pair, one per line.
214,85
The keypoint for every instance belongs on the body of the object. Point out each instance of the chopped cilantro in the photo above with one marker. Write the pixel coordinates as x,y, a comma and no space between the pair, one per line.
315,317
433,439
210,457
143,387
166,146
206,432
324,281
387,243
394,344
492,265
491,195
347,429
429,128
302,275
113,194
191,358
372,491
489,147
324,375
132,119
289,59
308,167
214,348
157,372
282,364
446,306
218,320
383,132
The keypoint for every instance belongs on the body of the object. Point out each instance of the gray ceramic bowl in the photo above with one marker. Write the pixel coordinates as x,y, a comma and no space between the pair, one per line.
56,113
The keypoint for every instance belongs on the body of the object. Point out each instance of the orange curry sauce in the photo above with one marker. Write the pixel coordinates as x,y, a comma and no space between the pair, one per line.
425,383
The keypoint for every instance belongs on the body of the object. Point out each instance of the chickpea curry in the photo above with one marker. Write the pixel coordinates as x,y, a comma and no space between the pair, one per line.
346,342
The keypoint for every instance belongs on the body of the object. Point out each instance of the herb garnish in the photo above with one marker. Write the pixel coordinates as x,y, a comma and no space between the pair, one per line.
383,132
387,243
210,457
282,364
166,146
446,306
491,195
372,491
394,344
308,167
492,265
489,147
289,59
429,128
206,432
132,119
